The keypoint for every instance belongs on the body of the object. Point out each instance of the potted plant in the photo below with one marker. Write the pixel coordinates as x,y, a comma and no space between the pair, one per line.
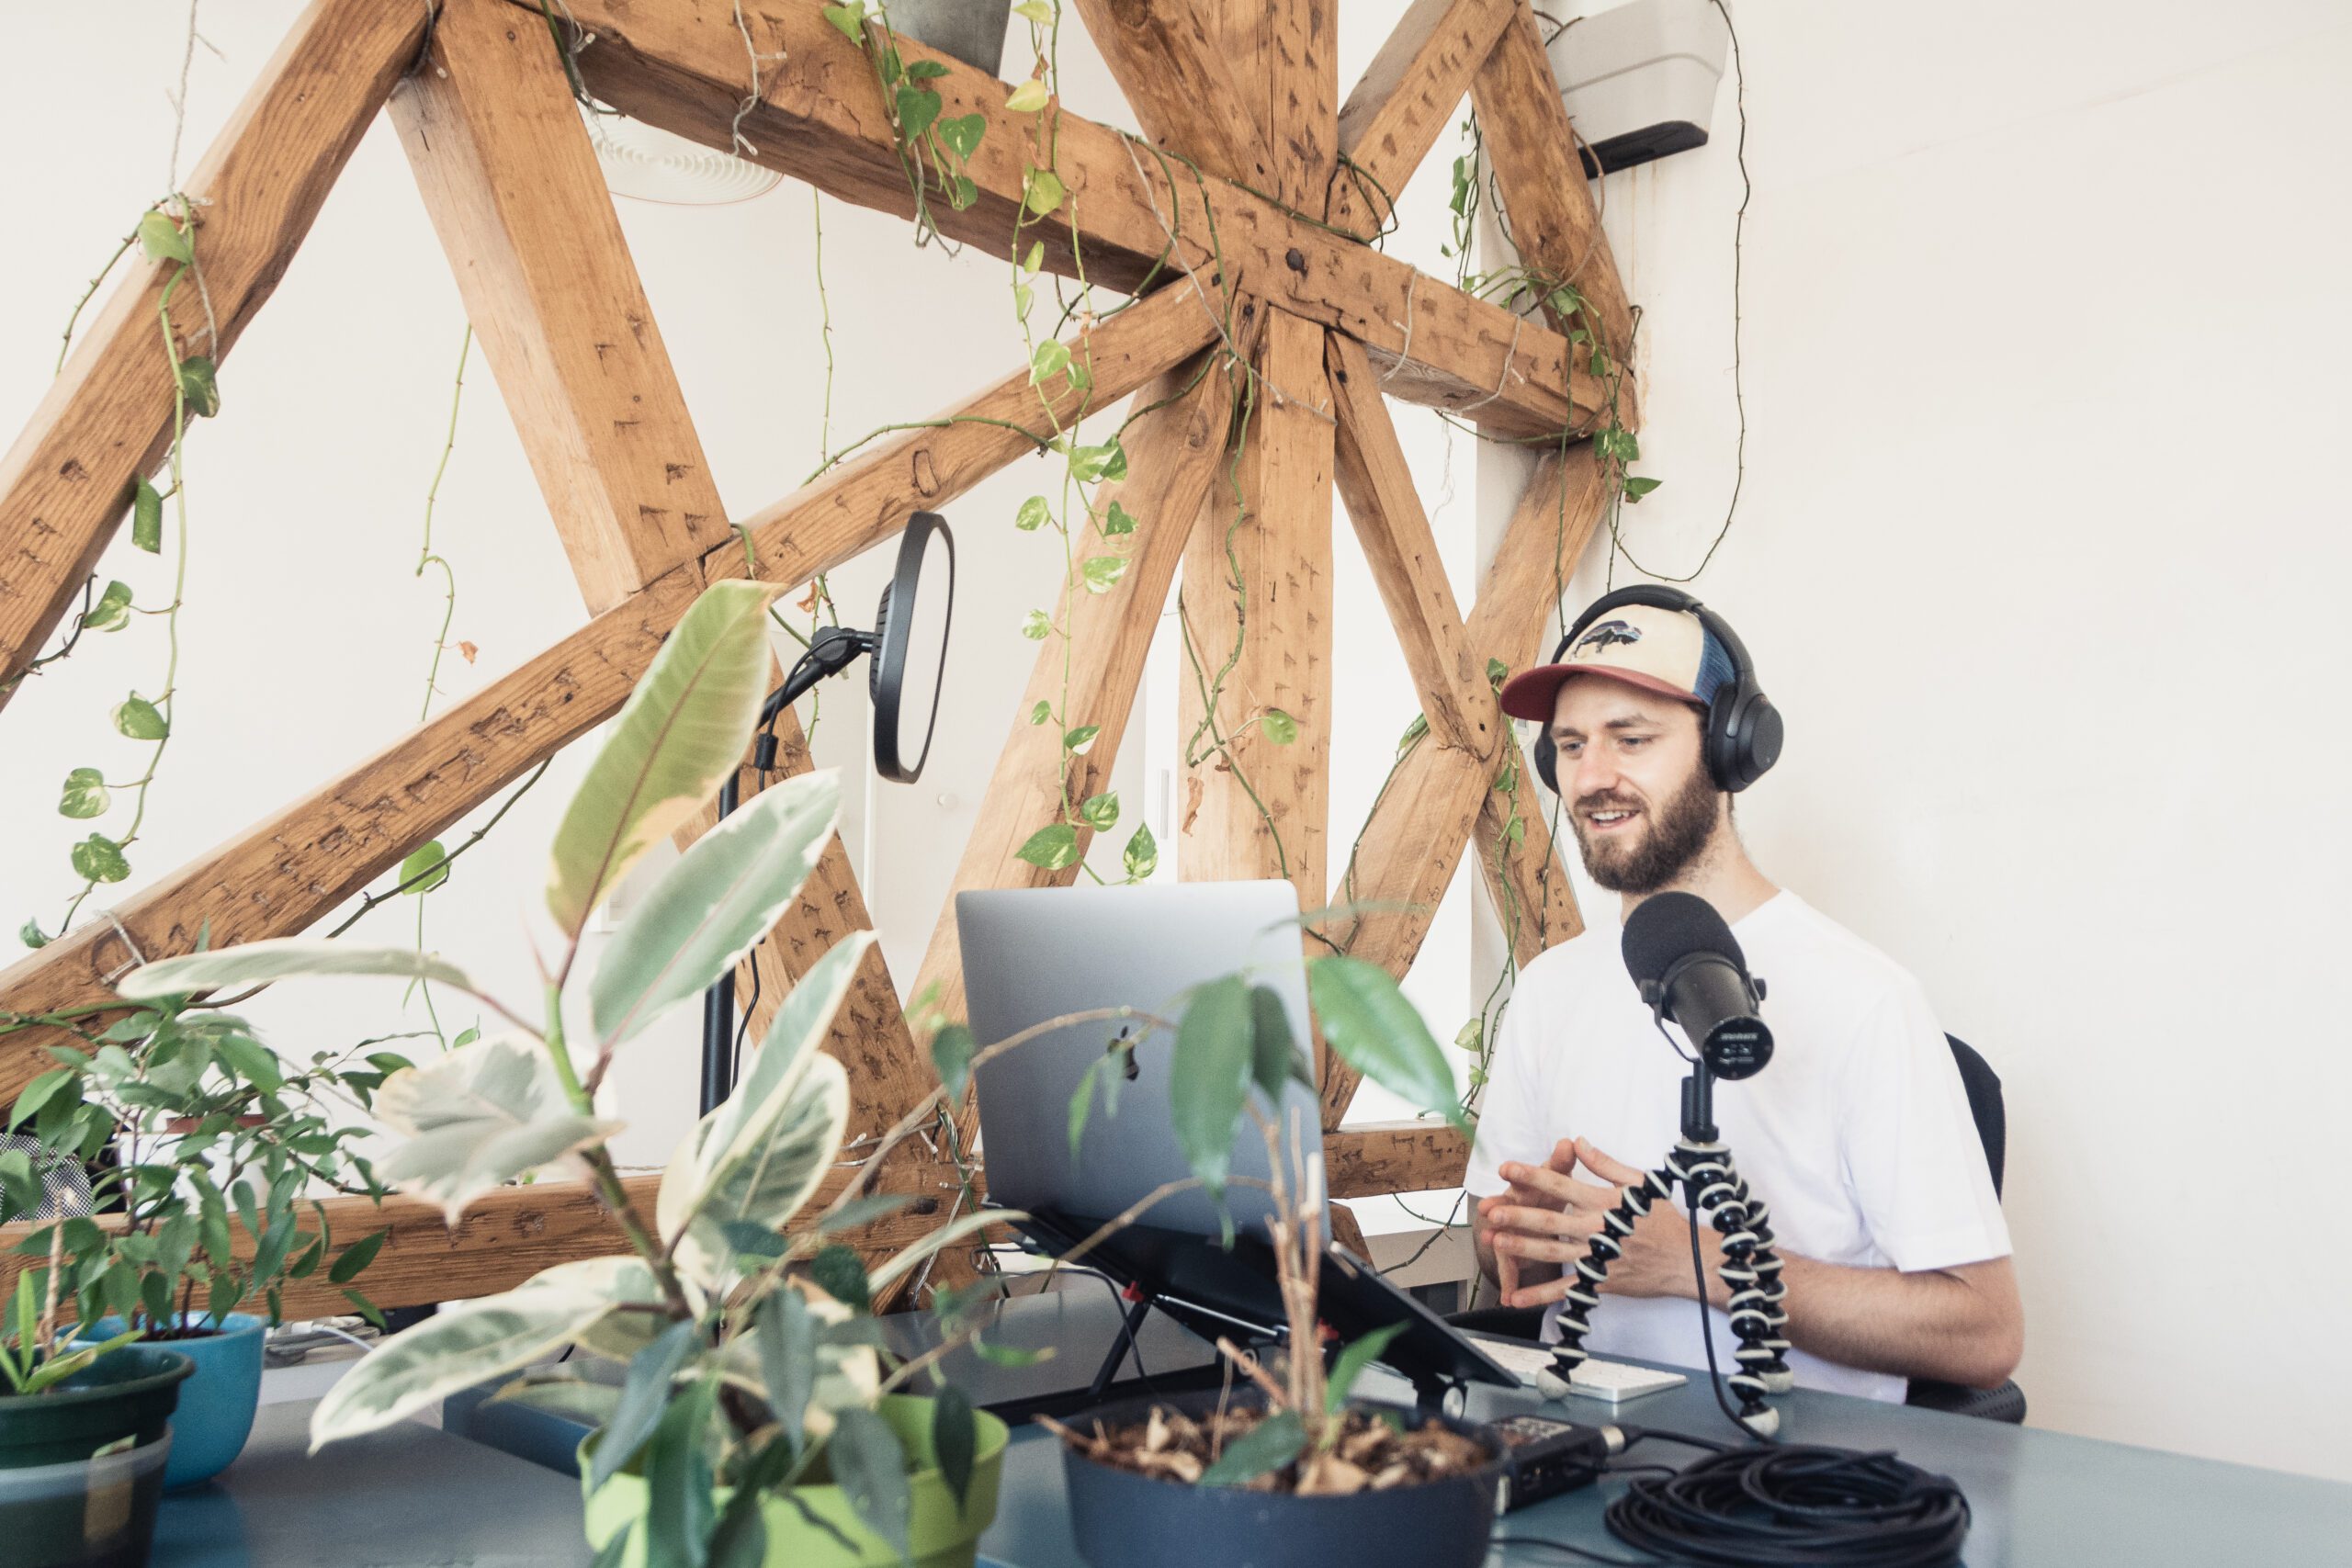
185,1119
1288,1469
85,1436
756,1419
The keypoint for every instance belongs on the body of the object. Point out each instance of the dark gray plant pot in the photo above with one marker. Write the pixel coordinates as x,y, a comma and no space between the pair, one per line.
1124,1519
971,31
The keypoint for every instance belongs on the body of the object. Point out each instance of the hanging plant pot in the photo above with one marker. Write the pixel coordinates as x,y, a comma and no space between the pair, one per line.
217,1407
971,31
1123,1517
808,1530
60,1507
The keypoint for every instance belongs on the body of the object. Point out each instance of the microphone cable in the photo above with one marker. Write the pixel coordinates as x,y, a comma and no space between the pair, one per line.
1763,1504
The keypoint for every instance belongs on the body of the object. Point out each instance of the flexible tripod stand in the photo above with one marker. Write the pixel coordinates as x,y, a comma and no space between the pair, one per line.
1751,1268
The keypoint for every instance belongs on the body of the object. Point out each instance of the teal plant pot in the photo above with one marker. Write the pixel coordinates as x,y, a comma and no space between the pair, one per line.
216,1410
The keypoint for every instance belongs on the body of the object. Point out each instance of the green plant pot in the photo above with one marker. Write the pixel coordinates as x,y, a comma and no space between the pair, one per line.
60,1507
941,1536
126,1392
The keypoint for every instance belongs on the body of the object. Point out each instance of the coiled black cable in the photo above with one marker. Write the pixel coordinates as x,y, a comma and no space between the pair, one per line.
1795,1504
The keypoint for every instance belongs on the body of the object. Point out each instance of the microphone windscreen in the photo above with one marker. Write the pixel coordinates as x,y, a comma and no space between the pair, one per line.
1666,926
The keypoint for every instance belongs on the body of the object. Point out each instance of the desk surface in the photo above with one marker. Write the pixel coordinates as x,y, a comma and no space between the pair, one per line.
417,1497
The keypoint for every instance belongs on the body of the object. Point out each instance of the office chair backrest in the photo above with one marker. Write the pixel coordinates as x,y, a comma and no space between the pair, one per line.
1983,1087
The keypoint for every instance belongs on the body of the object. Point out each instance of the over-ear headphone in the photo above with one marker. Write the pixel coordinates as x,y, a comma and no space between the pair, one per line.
1743,732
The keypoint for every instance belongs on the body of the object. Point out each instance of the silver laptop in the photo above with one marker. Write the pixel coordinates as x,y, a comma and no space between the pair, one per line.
1031,955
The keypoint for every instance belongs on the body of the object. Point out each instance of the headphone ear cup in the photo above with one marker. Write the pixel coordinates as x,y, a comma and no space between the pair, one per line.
1761,732
1547,760
1744,735
1720,747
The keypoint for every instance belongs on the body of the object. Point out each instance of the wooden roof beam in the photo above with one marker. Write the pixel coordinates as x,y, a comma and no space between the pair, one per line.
1173,68
280,874
820,118
106,419
1406,100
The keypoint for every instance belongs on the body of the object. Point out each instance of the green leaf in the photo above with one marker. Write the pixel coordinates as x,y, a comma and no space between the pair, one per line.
963,193
21,1191
474,1118
1270,1445
1497,674
954,1440
1051,847
140,719
1274,1059
679,1507
926,71
1119,520
85,795
1106,461
712,907
99,859
1038,626
282,958
1038,715
1101,812
1352,1362
1080,739
1034,259
31,935
1037,11
762,1152
870,1467
112,611
471,1342
1082,1104
1471,1036
1375,1030
904,1261
355,1257
1280,727
1051,358
251,1062
850,19
951,1047
1143,853
1028,98
839,1272
146,518
645,1395
918,107
1637,488
1211,1077
788,1345
1043,191
1034,511
163,240
429,862
200,386
963,134
360,1303
682,732
1103,572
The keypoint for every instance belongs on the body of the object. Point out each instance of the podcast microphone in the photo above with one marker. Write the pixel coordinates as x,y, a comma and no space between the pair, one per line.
1688,966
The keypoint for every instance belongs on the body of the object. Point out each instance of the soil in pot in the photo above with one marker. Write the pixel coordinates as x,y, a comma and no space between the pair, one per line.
1395,1486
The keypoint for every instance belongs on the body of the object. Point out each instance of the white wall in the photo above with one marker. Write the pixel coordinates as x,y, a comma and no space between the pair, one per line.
2044,330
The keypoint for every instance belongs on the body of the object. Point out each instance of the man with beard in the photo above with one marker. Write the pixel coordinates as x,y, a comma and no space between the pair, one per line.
1858,1135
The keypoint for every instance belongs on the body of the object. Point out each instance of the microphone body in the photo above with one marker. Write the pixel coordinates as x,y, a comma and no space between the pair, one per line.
1689,967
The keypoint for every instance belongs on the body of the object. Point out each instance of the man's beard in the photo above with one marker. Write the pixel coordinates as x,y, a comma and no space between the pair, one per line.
1674,837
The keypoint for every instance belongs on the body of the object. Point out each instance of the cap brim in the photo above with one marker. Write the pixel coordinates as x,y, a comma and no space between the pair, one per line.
1534,693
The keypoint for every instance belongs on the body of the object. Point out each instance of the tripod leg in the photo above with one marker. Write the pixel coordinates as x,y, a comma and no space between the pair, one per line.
1757,1294
1632,1202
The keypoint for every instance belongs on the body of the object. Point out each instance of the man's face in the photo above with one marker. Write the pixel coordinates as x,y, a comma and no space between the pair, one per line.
1635,782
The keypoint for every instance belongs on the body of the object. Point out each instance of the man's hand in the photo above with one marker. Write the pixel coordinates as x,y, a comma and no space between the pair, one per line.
1511,1273
1557,1226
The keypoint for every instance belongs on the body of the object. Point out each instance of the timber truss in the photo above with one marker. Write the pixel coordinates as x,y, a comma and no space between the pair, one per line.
1254,148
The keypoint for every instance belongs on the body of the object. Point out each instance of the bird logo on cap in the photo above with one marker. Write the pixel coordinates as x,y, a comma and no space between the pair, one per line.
1608,632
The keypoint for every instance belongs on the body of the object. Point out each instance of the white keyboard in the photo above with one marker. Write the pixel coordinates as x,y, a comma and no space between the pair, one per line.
1610,1381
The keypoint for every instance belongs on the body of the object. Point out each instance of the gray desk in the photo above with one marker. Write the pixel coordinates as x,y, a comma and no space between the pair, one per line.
417,1497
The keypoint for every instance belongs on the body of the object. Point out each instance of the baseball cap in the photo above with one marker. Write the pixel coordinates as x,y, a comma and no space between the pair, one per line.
1667,651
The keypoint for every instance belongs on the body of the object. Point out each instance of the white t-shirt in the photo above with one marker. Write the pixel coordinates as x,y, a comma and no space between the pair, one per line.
1856,1133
